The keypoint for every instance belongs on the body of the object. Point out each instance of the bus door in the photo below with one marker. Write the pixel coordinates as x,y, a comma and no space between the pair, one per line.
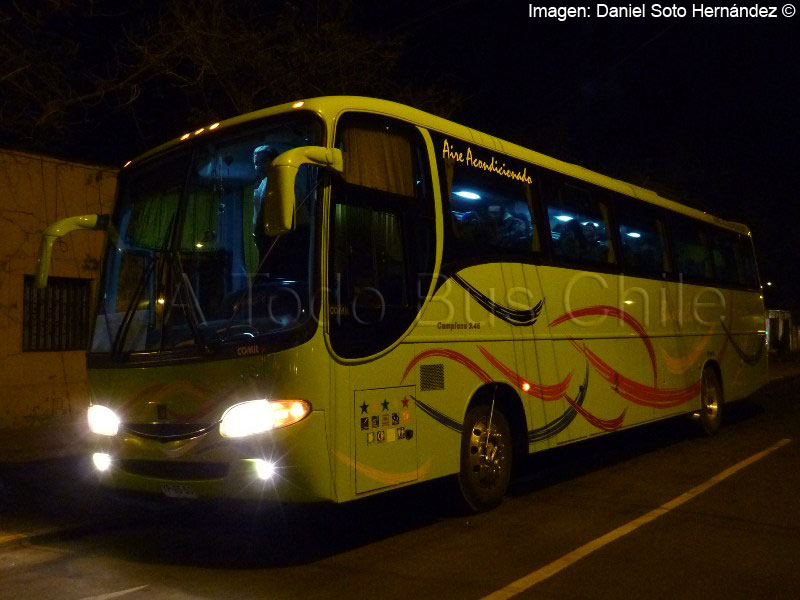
381,248
536,359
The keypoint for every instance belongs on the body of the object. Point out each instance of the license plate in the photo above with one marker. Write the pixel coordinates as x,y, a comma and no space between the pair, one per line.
178,490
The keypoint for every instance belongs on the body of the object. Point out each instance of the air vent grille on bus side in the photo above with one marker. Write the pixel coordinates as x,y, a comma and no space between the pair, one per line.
431,377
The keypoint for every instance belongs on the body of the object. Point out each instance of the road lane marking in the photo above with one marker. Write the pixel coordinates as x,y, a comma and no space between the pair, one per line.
539,575
117,594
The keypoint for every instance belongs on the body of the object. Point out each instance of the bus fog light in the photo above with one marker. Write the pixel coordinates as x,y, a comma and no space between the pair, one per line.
265,469
102,461
102,420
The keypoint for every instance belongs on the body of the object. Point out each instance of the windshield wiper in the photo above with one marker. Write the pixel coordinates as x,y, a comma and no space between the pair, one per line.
189,303
122,332
118,345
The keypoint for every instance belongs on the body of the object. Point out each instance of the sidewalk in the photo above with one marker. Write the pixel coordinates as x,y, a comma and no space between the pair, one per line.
60,497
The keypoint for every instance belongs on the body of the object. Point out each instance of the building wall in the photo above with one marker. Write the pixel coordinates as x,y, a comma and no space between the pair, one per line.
43,394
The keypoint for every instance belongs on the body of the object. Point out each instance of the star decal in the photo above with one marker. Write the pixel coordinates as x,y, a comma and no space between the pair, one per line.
405,402
385,405
364,408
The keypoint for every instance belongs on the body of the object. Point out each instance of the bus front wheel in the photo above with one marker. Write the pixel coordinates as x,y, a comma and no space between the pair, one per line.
710,416
486,453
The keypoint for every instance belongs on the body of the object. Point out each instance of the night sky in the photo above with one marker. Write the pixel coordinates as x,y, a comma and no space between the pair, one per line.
704,111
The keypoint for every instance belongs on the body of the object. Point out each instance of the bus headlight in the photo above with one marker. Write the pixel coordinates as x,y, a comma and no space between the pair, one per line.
258,416
102,420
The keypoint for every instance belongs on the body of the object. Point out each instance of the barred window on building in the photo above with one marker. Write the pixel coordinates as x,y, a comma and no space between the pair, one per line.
57,317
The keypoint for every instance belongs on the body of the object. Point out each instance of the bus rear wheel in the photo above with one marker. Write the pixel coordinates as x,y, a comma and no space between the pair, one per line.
711,402
486,455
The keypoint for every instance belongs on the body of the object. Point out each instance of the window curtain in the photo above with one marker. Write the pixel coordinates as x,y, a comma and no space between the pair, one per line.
151,220
202,216
378,160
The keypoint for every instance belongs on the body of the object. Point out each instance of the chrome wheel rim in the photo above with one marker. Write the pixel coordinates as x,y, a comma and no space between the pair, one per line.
710,399
487,453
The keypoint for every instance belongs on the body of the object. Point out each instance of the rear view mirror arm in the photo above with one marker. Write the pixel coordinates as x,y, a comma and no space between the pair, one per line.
59,229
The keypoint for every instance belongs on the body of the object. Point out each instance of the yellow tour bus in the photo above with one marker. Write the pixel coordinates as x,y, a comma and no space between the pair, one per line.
340,296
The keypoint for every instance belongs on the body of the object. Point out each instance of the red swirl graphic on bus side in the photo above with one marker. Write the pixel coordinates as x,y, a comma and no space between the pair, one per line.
638,393
604,424
630,390
546,393
611,311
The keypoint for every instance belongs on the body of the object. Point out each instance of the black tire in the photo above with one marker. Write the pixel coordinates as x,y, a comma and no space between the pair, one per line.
486,458
711,402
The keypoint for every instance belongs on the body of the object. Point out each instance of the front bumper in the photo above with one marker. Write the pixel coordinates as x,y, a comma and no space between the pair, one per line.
210,466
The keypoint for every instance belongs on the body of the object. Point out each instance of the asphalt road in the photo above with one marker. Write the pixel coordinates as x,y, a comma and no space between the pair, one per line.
735,538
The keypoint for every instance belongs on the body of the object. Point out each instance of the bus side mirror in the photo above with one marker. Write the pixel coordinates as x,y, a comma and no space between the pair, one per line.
58,229
279,203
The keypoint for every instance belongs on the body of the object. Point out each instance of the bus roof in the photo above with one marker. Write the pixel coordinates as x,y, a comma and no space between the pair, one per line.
331,107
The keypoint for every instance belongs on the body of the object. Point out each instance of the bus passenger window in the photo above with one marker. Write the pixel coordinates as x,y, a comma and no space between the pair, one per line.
489,212
579,226
486,216
692,256
642,239
725,254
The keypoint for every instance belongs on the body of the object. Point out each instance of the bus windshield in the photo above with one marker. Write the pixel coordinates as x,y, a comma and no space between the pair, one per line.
188,266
